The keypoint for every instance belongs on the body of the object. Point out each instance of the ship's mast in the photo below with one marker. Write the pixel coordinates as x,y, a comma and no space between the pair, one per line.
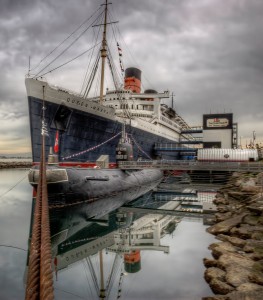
102,289
103,51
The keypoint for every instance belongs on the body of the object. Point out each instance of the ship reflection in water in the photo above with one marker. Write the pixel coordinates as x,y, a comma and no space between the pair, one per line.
123,254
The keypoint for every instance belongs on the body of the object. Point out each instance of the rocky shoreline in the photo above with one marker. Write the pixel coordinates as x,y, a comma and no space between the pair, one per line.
236,270
15,164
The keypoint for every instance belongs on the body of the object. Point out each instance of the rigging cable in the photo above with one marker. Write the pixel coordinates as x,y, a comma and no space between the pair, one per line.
131,55
70,293
123,101
92,76
86,274
116,40
12,187
77,38
69,61
66,38
113,272
112,70
93,274
8,246
87,70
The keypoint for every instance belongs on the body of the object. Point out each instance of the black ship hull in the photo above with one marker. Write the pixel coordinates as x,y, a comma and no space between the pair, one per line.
81,134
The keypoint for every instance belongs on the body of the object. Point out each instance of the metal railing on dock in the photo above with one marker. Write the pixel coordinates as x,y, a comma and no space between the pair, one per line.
190,165
173,147
177,213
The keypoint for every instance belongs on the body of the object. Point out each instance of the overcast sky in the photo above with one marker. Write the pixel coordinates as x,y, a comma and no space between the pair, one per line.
208,52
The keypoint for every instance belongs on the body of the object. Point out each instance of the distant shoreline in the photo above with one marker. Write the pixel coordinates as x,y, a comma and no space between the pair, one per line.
15,164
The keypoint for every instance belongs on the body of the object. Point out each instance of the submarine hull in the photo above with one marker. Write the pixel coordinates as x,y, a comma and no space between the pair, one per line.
102,189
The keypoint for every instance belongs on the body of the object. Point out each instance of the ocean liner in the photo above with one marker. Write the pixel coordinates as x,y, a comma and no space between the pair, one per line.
86,127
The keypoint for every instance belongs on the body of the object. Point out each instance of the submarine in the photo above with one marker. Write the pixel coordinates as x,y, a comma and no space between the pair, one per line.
103,189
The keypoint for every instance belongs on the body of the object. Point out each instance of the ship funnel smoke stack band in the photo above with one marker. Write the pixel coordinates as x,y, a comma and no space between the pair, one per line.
132,261
132,80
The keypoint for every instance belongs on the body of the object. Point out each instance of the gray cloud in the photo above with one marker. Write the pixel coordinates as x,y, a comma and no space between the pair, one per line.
209,53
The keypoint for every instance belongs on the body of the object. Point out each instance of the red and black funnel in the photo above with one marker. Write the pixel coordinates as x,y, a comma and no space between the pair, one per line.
132,80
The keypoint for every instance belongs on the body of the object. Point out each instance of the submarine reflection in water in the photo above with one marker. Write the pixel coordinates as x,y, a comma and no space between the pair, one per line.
120,236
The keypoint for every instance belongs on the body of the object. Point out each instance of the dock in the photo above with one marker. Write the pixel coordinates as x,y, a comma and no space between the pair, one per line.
192,165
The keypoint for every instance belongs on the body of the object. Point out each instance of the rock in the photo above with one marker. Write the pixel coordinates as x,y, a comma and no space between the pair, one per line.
258,210
251,189
226,225
251,219
255,243
233,240
220,248
247,287
257,236
220,287
260,220
216,297
222,208
243,295
208,262
222,216
214,273
259,179
247,291
237,195
221,200
249,182
256,277
237,275
246,231
228,259
256,256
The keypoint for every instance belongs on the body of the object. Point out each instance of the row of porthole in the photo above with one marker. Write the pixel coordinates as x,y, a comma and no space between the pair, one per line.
86,105
154,130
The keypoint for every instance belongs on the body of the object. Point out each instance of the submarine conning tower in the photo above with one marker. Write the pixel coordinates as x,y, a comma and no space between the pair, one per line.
124,150
132,80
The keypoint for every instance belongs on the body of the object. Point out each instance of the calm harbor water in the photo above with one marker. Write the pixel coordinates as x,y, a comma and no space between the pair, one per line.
168,264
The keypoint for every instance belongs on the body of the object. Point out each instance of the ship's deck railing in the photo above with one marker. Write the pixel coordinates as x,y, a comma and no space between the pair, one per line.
195,129
200,139
192,165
